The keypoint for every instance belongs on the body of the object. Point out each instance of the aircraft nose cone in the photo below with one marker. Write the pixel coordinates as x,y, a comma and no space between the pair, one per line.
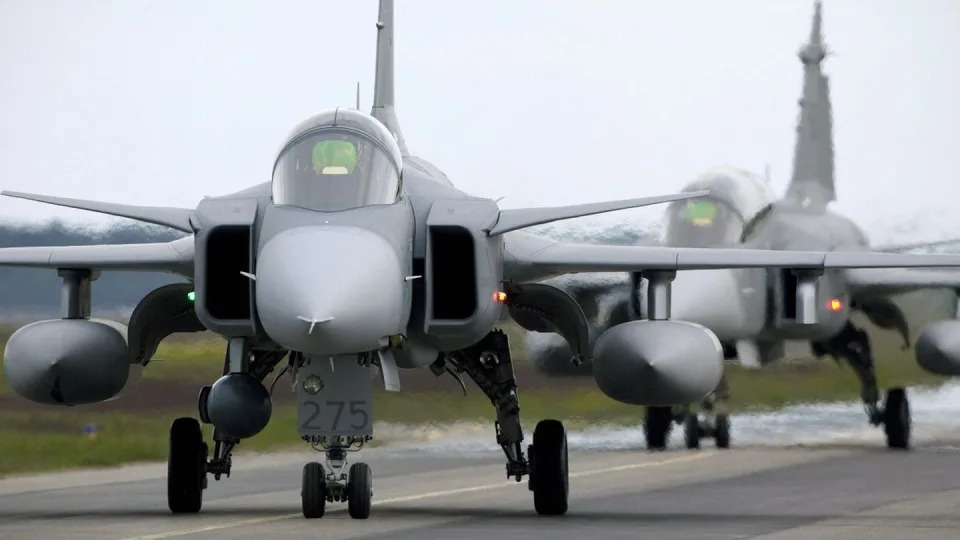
711,298
329,290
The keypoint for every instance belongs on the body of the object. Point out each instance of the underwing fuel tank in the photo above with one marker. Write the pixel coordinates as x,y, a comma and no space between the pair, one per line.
938,348
69,361
657,363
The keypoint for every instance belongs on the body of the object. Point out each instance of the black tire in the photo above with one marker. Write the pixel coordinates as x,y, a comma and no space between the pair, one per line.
313,492
691,431
549,476
721,433
896,419
359,490
186,467
656,427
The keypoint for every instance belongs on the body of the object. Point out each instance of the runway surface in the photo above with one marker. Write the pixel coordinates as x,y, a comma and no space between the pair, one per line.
858,490
807,471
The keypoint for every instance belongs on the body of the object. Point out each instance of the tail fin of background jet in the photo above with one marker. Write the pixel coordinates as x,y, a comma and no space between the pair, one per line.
812,184
383,109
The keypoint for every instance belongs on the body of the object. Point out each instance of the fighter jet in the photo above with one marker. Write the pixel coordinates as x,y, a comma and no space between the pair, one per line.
753,312
359,258
735,197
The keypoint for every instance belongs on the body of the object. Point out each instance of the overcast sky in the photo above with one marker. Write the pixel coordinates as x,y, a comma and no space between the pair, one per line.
544,102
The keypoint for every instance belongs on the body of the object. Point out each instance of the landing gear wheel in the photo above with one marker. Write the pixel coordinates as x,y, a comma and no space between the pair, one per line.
691,431
359,490
186,467
721,433
548,463
313,493
656,427
896,419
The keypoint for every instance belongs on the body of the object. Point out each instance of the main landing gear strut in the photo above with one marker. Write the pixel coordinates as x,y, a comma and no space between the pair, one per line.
853,345
489,364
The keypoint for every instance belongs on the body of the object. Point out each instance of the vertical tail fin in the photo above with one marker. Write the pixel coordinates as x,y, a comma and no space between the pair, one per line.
383,109
812,183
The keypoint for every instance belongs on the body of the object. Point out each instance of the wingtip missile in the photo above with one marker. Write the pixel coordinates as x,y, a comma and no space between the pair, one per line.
513,219
175,218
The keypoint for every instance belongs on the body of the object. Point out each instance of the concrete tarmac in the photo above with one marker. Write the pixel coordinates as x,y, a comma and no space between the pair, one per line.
835,492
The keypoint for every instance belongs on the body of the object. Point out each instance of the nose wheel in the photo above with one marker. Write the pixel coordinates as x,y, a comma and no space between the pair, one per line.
313,493
359,491
715,423
694,430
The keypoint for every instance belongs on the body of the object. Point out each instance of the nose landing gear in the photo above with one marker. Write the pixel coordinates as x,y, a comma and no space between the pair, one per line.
320,487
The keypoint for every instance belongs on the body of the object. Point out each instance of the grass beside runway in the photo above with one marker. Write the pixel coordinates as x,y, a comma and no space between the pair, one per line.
134,428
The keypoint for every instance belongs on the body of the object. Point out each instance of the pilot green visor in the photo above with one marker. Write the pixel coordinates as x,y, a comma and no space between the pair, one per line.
334,153
701,212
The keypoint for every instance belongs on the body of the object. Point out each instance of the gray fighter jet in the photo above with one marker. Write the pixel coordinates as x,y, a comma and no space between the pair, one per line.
736,196
753,312
359,258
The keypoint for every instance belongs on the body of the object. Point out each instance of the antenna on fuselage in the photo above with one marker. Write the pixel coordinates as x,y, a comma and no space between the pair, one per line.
358,95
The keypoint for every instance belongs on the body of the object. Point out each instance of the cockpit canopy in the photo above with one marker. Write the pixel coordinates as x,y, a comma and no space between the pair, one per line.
703,222
735,197
338,160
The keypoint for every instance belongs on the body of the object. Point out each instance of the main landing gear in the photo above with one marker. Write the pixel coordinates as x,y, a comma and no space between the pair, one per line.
489,364
187,461
187,465
853,345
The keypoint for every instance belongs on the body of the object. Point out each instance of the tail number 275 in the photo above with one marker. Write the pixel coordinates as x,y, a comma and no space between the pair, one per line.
357,410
